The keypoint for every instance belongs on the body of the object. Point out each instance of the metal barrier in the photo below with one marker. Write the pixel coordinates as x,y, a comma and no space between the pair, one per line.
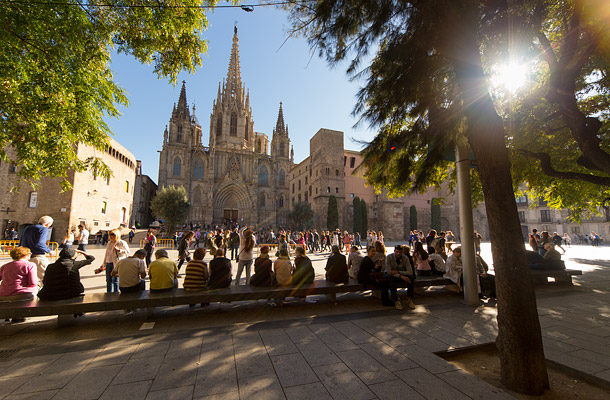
273,248
8,245
161,244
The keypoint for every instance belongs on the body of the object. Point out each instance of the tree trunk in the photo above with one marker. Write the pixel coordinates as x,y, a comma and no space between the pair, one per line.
523,366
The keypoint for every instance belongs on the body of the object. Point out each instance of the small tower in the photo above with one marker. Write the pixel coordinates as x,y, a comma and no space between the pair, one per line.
280,143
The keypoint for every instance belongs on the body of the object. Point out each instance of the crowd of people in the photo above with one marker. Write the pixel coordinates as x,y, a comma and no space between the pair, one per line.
30,274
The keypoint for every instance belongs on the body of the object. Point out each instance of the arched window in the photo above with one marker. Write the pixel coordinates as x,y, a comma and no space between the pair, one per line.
179,135
281,202
198,169
246,130
177,166
233,130
282,149
282,180
261,200
263,176
219,125
258,146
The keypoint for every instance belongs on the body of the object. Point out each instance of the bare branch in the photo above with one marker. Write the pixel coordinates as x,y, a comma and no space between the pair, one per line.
548,169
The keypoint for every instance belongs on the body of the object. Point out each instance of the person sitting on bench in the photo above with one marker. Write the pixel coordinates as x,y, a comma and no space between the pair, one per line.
163,273
19,280
131,272
336,267
62,278
263,274
552,257
220,271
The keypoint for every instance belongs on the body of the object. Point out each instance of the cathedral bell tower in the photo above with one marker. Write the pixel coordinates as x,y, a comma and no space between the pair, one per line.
231,124
280,143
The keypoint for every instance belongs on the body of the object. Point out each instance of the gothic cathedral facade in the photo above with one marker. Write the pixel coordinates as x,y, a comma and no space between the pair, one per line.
235,178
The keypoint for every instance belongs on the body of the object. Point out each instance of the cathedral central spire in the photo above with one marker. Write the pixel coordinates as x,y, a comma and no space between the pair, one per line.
233,82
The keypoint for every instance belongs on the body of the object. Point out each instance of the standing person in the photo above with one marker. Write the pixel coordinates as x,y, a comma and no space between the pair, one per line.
35,238
68,239
357,240
131,272
370,274
83,238
347,241
380,237
566,239
220,271
183,250
13,234
245,255
477,242
534,240
197,237
556,240
62,280
163,273
336,267
234,240
149,245
132,233
116,250
18,279
263,274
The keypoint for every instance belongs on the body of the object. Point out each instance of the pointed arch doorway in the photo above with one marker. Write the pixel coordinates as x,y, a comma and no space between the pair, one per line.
230,211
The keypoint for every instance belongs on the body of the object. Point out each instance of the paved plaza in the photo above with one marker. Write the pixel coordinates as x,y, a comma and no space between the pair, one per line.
356,349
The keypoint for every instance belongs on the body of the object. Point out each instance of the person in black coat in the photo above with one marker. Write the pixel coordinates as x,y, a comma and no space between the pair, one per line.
303,273
366,277
220,271
336,267
263,269
62,279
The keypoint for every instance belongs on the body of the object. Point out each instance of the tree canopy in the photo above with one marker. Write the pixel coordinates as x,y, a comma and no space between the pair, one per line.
332,216
56,82
301,216
172,205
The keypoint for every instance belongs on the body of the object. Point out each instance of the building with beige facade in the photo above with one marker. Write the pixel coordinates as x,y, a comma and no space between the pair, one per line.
96,202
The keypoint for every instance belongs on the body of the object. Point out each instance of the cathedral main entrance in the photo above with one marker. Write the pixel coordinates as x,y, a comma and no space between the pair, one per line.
231,215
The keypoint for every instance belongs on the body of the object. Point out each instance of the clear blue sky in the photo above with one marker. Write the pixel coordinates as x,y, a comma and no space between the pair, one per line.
313,94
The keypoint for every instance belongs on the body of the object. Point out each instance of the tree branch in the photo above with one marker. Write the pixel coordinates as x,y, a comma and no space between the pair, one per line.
548,169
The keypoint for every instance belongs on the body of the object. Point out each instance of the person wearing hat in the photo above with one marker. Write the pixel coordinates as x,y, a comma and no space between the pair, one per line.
131,272
62,278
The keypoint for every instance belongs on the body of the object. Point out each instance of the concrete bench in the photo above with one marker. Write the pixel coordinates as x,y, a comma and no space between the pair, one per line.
541,276
96,302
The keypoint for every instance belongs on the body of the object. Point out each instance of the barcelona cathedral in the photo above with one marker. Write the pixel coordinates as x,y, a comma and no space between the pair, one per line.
239,176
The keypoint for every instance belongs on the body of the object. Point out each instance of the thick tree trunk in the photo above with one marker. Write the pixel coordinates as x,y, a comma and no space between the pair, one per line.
519,341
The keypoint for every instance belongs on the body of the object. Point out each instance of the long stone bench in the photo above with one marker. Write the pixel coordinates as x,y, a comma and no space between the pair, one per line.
540,276
96,302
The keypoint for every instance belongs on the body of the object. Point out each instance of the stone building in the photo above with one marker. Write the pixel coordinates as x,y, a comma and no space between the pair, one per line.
234,178
96,202
145,190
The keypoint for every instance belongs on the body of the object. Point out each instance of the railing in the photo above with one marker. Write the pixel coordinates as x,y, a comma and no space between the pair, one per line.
273,247
7,245
161,244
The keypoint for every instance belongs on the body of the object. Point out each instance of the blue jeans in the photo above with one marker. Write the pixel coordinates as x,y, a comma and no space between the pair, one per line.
82,247
112,282
240,268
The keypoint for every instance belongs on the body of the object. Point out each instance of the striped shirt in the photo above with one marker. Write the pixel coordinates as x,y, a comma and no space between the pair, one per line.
196,276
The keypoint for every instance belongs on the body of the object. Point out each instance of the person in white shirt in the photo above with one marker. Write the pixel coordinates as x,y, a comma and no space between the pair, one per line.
83,238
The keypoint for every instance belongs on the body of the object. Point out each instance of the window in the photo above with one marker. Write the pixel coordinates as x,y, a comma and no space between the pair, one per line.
351,195
108,181
198,169
179,135
123,215
327,171
336,190
246,130
352,162
521,200
107,224
126,186
293,188
328,189
545,215
344,160
306,180
299,185
281,202
282,178
261,200
258,146
306,198
336,172
96,223
219,125
522,216
104,204
33,200
282,149
177,166
310,191
233,130
299,198
263,176
316,190
12,168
